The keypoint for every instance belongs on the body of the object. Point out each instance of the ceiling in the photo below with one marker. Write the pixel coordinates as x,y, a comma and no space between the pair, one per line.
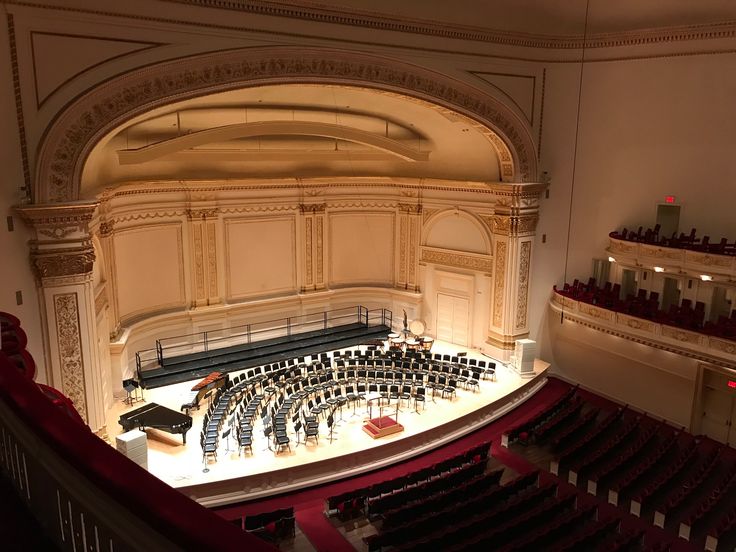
298,130
544,17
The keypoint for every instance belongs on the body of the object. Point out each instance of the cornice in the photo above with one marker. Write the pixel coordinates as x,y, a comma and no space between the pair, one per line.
322,13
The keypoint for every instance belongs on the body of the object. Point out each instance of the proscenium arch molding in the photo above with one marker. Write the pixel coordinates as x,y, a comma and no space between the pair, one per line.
69,140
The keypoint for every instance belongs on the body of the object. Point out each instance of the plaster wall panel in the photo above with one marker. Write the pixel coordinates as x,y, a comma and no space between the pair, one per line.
648,129
149,268
649,379
457,233
261,257
361,248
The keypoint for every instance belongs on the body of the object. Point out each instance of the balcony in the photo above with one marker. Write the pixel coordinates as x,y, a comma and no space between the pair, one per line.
688,343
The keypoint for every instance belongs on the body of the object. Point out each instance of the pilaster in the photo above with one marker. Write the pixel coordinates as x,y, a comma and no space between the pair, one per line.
202,223
514,224
314,227
62,258
410,224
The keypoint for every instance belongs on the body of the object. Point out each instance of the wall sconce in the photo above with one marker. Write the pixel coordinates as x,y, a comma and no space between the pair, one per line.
658,269
611,260
706,278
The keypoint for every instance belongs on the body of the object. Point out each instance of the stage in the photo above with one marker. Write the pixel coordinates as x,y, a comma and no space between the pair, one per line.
235,478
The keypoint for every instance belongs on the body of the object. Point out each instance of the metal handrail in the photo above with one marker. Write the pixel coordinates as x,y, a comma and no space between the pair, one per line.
207,342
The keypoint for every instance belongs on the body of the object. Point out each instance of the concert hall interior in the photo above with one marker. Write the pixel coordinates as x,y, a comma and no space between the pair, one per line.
350,275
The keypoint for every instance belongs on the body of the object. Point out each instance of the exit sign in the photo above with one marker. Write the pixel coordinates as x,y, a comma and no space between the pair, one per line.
669,199
731,383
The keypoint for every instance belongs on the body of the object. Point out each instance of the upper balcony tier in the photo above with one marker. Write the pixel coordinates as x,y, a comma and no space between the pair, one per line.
714,266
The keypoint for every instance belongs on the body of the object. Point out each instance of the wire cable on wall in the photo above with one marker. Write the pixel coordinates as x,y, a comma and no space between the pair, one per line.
575,152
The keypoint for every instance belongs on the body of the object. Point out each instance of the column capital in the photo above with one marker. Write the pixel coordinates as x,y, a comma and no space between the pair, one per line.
61,246
58,221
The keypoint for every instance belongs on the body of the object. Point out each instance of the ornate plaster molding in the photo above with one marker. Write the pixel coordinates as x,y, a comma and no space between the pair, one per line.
66,314
523,292
80,126
667,338
60,263
457,260
499,283
322,13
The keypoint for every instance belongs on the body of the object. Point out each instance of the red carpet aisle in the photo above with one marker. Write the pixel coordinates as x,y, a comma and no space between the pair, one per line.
319,530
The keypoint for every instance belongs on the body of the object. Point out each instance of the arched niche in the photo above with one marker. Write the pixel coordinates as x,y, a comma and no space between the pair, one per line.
457,230
76,130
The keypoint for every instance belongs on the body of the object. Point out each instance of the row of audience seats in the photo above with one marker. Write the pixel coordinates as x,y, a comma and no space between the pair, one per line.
375,498
651,236
646,305
684,484
274,526
13,343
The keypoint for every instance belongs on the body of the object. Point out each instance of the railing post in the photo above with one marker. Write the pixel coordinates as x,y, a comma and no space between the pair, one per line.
247,332
288,326
205,342
159,352
324,320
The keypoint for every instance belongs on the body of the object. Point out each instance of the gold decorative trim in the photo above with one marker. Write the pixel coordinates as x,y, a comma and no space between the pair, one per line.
212,259
69,342
619,331
523,292
457,260
499,283
402,249
58,263
319,261
198,262
308,249
77,129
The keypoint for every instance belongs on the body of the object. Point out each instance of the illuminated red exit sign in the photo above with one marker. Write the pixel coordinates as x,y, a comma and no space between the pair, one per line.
731,383
669,199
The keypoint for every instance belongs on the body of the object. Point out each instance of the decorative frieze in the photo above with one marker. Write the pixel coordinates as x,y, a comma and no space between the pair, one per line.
499,283
59,263
522,296
73,134
668,338
457,260
66,314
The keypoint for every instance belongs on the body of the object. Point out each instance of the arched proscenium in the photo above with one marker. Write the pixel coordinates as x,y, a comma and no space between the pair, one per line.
84,122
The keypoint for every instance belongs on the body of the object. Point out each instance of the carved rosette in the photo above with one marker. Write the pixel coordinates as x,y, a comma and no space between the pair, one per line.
66,311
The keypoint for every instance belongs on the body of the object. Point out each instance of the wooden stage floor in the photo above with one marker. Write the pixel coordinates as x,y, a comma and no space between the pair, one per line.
235,478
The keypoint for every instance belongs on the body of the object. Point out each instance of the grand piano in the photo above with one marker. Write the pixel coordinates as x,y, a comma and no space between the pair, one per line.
213,381
158,417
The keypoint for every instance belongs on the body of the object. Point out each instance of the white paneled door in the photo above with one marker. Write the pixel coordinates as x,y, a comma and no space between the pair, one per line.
453,318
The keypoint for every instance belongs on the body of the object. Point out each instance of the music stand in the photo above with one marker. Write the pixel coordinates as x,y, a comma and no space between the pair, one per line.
129,387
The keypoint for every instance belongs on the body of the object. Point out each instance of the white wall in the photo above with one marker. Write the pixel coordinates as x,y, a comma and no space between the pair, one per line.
15,267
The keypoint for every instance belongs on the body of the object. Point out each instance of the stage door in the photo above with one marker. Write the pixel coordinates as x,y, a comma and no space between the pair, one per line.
453,317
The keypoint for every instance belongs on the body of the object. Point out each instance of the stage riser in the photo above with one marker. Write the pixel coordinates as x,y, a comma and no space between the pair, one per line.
272,351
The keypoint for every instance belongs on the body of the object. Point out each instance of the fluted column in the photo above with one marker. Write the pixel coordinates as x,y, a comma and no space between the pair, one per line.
409,222
514,221
62,257
313,227
203,231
